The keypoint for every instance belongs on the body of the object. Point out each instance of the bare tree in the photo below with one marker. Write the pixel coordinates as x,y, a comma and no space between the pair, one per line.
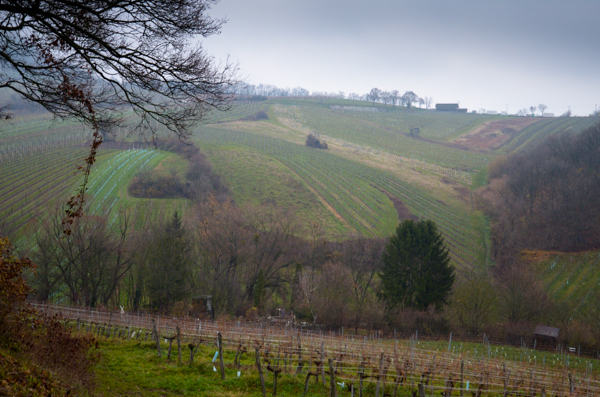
271,250
308,286
385,97
89,264
362,257
474,300
222,242
409,98
532,110
542,108
523,297
428,102
394,97
522,112
373,95
95,60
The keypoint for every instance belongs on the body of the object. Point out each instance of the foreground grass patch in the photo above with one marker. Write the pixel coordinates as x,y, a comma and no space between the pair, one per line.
133,369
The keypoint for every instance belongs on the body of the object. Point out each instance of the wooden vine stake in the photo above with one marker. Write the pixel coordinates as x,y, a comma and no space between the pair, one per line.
332,378
260,372
300,362
157,337
178,344
276,370
380,375
462,372
170,339
323,362
222,364
361,376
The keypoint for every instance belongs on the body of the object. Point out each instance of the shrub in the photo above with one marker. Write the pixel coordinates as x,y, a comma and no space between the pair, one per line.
260,115
13,292
44,340
151,185
312,141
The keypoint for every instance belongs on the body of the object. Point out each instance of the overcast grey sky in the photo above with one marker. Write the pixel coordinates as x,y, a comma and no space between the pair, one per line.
484,53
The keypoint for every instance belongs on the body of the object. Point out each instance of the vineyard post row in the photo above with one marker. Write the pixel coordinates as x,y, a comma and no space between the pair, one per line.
382,363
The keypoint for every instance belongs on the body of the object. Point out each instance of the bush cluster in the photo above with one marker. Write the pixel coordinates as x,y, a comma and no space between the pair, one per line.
312,141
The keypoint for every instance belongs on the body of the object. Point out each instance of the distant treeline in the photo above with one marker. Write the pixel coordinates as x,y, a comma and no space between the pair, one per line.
262,92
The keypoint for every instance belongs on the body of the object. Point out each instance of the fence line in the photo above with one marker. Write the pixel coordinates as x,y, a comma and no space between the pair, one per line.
385,360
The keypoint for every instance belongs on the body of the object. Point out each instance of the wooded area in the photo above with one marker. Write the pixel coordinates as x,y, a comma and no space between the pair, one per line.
547,198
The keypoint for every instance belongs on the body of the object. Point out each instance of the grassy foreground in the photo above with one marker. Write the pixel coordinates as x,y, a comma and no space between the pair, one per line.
132,368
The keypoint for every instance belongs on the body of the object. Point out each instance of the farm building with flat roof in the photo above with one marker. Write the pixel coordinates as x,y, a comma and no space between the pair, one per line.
449,107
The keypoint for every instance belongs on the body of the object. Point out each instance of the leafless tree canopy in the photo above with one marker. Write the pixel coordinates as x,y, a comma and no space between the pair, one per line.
118,55
547,198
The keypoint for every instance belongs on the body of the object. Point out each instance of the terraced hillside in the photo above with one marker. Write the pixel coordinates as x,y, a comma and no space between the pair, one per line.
359,197
374,174
354,127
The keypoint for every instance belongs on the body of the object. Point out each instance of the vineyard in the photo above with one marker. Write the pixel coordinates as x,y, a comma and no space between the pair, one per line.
441,126
572,278
358,195
354,364
38,157
29,185
354,129
535,133
38,169
239,110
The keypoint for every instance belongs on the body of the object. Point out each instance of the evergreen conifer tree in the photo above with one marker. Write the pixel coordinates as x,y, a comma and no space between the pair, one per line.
416,270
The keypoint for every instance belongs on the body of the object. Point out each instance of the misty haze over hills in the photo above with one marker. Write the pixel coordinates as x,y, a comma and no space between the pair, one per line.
500,55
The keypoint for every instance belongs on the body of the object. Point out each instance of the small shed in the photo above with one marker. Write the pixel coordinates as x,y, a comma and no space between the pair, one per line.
546,336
